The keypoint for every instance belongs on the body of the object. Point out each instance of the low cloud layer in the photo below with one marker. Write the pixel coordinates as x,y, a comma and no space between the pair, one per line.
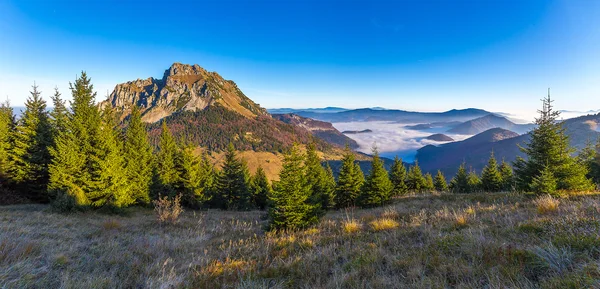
392,138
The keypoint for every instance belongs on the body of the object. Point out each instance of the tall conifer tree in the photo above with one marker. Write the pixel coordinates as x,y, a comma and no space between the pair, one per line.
439,182
414,179
378,187
29,155
232,184
491,178
349,183
260,189
507,176
166,175
549,149
7,125
460,181
290,207
73,171
138,158
398,177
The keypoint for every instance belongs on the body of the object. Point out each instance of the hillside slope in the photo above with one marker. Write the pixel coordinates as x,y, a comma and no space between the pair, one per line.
320,129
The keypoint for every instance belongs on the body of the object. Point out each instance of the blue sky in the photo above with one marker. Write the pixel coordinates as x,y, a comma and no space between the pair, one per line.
415,55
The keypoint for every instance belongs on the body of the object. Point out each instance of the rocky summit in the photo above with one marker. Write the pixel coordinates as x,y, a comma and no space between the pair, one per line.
182,88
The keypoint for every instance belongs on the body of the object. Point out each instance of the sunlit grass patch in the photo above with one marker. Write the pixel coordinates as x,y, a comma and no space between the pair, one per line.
546,204
384,224
351,226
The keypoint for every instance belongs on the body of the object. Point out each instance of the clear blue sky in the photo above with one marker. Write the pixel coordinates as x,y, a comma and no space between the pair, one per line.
416,55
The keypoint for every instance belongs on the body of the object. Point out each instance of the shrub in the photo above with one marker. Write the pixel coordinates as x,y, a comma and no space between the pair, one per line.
546,204
384,224
168,210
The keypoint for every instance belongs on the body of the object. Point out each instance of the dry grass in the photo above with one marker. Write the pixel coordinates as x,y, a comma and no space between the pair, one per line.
384,224
167,209
505,244
546,204
351,226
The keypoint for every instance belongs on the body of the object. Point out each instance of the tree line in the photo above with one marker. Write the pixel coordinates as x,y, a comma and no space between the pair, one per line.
81,156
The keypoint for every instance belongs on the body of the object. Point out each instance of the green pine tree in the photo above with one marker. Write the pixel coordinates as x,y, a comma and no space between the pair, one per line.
545,182
29,155
74,168
7,126
166,174
439,182
194,178
328,200
260,189
429,185
491,178
414,179
290,207
316,178
138,158
378,187
59,114
398,177
595,166
460,181
232,184
474,182
507,176
549,149
349,182
109,173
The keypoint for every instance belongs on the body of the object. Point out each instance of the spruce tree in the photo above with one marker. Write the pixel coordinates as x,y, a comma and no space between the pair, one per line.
548,149
460,181
429,185
290,207
378,187
491,178
29,155
112,186
545,182
138,158
315,178
193,178
398,177
349,181
588,158
414,179
7,126
439,182
328,200
59,114
74,167
260,189
507,176
232,184
166,173
474,182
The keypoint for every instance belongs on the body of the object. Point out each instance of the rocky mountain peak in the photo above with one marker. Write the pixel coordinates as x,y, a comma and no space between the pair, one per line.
183,88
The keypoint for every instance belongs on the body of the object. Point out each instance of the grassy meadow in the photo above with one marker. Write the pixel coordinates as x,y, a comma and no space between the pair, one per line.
501,240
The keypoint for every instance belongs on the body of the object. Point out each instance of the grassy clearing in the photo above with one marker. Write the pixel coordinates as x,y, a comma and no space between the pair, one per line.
434,241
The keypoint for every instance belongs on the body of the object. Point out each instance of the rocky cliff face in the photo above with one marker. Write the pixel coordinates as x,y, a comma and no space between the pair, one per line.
182,88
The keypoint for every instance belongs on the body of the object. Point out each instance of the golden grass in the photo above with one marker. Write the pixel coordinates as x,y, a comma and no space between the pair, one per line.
351,226
382,224
506,244
546,204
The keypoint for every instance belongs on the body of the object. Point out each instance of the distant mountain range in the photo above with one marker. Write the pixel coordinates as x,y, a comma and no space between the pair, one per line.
476,150
400,116
489,121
